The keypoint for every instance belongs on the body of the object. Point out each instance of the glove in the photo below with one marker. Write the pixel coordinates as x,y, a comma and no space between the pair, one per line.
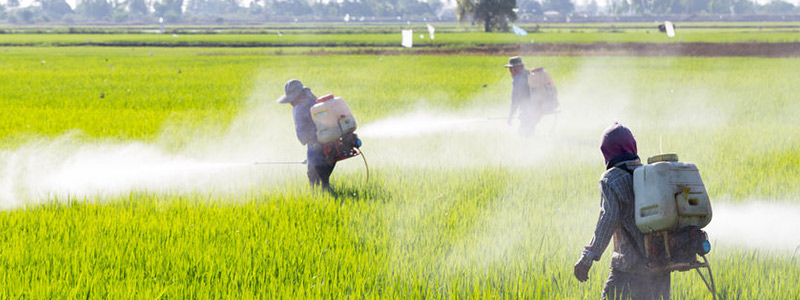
581,270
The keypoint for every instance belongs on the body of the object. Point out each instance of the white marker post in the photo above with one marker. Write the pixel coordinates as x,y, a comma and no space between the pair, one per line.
670,29
408,38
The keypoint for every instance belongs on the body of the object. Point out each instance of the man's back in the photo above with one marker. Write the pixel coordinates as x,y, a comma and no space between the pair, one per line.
616,185
521,92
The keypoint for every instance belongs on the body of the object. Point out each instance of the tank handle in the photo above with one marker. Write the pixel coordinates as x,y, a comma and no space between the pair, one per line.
325,98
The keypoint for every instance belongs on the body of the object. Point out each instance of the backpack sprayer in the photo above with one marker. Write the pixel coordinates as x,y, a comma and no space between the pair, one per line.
671,207
336,128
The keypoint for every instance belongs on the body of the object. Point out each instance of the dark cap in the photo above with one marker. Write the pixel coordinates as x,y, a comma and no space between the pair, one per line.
291,90
514,61
617,140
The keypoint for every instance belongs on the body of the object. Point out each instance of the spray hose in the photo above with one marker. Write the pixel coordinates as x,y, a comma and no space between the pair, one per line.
711,286
366,165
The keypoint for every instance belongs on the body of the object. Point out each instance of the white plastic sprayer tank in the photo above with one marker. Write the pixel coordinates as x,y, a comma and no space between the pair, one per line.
669,195
332,117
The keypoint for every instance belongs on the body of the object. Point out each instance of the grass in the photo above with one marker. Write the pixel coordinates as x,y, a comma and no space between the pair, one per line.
383,35
443,228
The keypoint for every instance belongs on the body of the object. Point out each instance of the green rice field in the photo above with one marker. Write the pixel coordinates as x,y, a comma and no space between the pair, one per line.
377,34
464,208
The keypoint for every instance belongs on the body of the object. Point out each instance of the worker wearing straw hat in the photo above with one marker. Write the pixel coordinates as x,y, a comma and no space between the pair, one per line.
521,99
301,98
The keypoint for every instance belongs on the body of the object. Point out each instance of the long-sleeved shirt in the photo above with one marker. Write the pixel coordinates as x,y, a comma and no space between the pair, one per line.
616,215
306,130
520,93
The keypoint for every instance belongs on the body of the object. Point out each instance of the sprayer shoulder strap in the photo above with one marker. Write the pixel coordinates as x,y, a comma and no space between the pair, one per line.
625,168
625,231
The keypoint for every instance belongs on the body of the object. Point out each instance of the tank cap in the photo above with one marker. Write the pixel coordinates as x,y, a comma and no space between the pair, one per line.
325,98
662,157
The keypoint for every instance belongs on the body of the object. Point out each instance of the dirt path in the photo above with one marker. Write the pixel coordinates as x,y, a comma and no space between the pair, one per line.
590,49
602,49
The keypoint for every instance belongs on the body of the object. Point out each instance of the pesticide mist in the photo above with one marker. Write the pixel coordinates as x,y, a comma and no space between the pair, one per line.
756,225
70,167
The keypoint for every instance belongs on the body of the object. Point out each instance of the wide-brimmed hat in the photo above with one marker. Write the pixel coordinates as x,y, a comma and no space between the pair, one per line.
291,90
514,61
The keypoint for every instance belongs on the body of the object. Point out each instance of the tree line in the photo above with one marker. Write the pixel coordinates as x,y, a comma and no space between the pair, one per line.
44,11
493,15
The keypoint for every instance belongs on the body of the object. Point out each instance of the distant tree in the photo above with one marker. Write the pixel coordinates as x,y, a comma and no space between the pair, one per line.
356,8
138,8
741,7
382,8
697,6
255,8
777,7
675,7
590,8
563,7
170,10
328,9
530,7
436,6
620,7
25,14
12,3
641,7
719,6
661,7
95,9
292,8
212,7
494,14
55,8
415,8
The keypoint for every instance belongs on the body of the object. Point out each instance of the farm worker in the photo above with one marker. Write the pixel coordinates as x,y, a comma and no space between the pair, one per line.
521,97
301,98
629,278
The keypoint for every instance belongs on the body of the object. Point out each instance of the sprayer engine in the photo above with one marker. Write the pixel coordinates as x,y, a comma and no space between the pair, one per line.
342,148
676,250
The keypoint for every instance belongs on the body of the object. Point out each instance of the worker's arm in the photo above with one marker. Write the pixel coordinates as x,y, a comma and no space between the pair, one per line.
304,125
521,92
606,226
552,85
511,113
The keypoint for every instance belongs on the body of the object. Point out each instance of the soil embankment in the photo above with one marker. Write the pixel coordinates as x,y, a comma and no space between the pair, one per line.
605,49
561,49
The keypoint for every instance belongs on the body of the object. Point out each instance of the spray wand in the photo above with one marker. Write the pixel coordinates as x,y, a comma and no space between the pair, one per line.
281,162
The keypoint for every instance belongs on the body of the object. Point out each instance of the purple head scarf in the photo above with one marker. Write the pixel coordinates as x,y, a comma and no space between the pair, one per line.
618,145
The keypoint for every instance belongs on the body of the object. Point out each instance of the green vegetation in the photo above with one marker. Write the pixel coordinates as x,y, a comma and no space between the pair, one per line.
391,37
461,229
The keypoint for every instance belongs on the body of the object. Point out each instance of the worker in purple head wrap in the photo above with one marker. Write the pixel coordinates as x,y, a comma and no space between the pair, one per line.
629,278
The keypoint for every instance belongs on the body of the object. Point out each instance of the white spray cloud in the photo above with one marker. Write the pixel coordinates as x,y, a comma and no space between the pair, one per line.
756,225
475,136
71,167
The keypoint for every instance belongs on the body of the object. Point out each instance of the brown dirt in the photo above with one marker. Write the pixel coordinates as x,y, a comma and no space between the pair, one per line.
591,49
603,49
